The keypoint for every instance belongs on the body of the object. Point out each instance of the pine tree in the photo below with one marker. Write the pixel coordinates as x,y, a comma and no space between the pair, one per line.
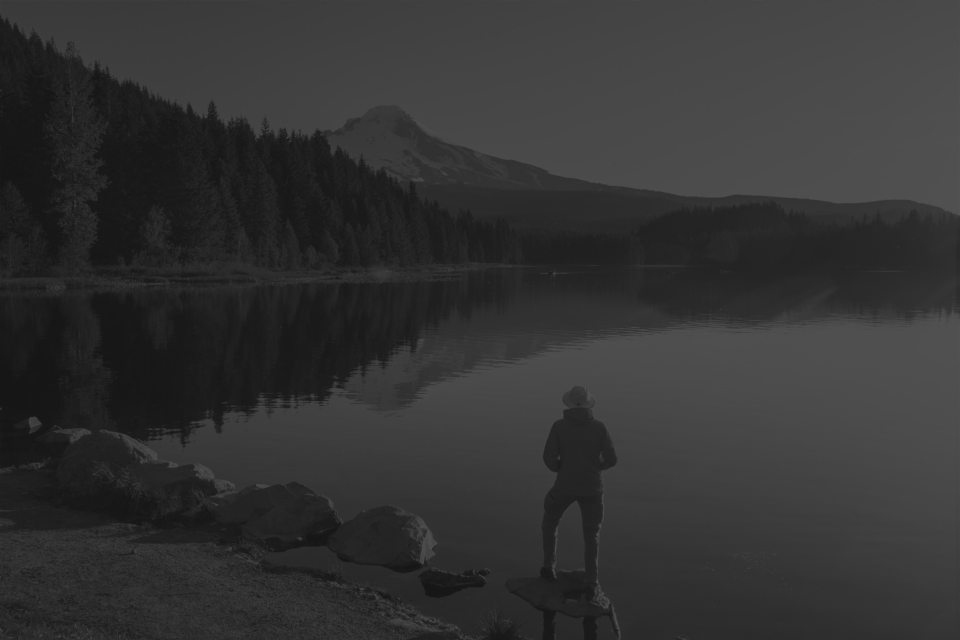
291,247
21,239
74,131
155,237
328,249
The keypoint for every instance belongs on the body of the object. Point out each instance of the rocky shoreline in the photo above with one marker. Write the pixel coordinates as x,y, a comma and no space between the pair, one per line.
188,509
222,532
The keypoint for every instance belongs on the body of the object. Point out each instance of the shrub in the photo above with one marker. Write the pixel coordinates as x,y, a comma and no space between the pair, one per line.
497,627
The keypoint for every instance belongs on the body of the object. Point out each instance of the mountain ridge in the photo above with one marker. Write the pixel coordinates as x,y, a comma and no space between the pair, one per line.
528,196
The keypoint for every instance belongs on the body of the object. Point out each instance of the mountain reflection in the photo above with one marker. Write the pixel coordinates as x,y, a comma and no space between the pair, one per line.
160,361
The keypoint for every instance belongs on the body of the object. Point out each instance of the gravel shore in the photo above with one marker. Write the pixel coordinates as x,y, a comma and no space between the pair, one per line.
66,573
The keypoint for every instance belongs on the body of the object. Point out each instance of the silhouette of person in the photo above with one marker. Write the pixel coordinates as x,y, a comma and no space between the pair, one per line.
578,449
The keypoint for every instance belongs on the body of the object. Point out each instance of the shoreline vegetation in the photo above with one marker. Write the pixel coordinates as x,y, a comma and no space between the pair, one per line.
228,273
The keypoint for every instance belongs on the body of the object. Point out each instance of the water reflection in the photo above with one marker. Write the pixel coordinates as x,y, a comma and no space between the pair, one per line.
159,361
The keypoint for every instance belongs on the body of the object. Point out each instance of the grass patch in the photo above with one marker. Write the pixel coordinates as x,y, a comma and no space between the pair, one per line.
495,626
120,492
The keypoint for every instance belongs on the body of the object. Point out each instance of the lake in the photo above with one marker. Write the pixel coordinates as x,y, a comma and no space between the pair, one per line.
788,443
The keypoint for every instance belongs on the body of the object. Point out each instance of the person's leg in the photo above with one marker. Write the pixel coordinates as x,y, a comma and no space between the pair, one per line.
591,513
589,628
554,504
549,625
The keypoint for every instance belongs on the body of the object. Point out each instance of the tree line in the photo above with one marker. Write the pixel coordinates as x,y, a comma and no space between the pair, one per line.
765,235
98,170
572,247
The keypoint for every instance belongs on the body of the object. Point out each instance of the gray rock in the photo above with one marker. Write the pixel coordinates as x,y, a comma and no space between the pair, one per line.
75,471
57,440
289,513
438,583
28,425
174,478
564,595
385,536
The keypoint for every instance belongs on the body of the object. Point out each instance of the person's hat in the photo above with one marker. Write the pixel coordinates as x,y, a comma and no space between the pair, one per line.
579,398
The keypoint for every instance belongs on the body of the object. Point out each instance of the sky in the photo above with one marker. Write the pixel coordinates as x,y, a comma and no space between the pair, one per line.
842,101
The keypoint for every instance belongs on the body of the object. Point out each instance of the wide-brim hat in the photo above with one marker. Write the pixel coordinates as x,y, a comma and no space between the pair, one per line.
579,398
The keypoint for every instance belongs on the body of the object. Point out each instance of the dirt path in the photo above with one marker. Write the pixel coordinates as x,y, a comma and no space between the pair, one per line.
62,569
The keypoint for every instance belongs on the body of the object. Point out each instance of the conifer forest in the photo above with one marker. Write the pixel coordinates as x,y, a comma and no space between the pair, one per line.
102,171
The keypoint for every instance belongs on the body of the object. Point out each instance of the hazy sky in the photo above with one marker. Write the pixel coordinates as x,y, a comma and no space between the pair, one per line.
843,101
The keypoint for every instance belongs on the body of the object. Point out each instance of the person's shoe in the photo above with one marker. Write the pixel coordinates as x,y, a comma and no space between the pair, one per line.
548,574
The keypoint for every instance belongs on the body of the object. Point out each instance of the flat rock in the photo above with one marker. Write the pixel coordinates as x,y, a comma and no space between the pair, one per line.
287,512
386,536
75,471
565,595
174,478
438,583
57,440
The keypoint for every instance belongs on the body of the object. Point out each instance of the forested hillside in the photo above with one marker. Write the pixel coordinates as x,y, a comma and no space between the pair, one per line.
98,170
764,235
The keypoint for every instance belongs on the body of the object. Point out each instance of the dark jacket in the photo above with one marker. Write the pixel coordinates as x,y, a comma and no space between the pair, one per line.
579,448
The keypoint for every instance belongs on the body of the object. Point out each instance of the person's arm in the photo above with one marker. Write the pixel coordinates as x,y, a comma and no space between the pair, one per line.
551,450
607,451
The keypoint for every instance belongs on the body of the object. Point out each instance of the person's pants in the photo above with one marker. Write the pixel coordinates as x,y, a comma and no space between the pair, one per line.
591,514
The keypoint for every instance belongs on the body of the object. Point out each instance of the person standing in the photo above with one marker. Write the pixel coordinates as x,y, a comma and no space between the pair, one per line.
578,449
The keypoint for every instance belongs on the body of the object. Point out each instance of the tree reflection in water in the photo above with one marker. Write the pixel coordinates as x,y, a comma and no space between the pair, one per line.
154,361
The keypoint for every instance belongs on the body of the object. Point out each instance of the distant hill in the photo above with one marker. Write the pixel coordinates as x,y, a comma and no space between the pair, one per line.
624,210
530,197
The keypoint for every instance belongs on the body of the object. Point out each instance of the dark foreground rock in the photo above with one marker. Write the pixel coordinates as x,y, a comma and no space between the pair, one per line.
565,595
76,468
58,440
438,583
287,514
386,536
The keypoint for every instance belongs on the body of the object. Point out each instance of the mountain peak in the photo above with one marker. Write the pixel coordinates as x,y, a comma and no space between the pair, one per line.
380,120
386,111
389,138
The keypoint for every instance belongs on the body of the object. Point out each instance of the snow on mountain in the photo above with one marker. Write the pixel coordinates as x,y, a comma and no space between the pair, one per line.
527,196
388,137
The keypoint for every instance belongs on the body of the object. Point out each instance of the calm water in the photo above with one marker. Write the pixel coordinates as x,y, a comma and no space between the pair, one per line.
788,445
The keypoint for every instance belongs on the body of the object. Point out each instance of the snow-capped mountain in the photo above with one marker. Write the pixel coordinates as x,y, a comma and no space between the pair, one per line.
388,137
527,196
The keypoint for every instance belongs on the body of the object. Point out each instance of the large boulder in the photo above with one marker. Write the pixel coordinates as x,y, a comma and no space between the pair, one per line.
75,471
58,440
386,536
174,478
290,513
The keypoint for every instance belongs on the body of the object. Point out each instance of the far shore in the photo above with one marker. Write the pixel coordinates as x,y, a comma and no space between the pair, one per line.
112,278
